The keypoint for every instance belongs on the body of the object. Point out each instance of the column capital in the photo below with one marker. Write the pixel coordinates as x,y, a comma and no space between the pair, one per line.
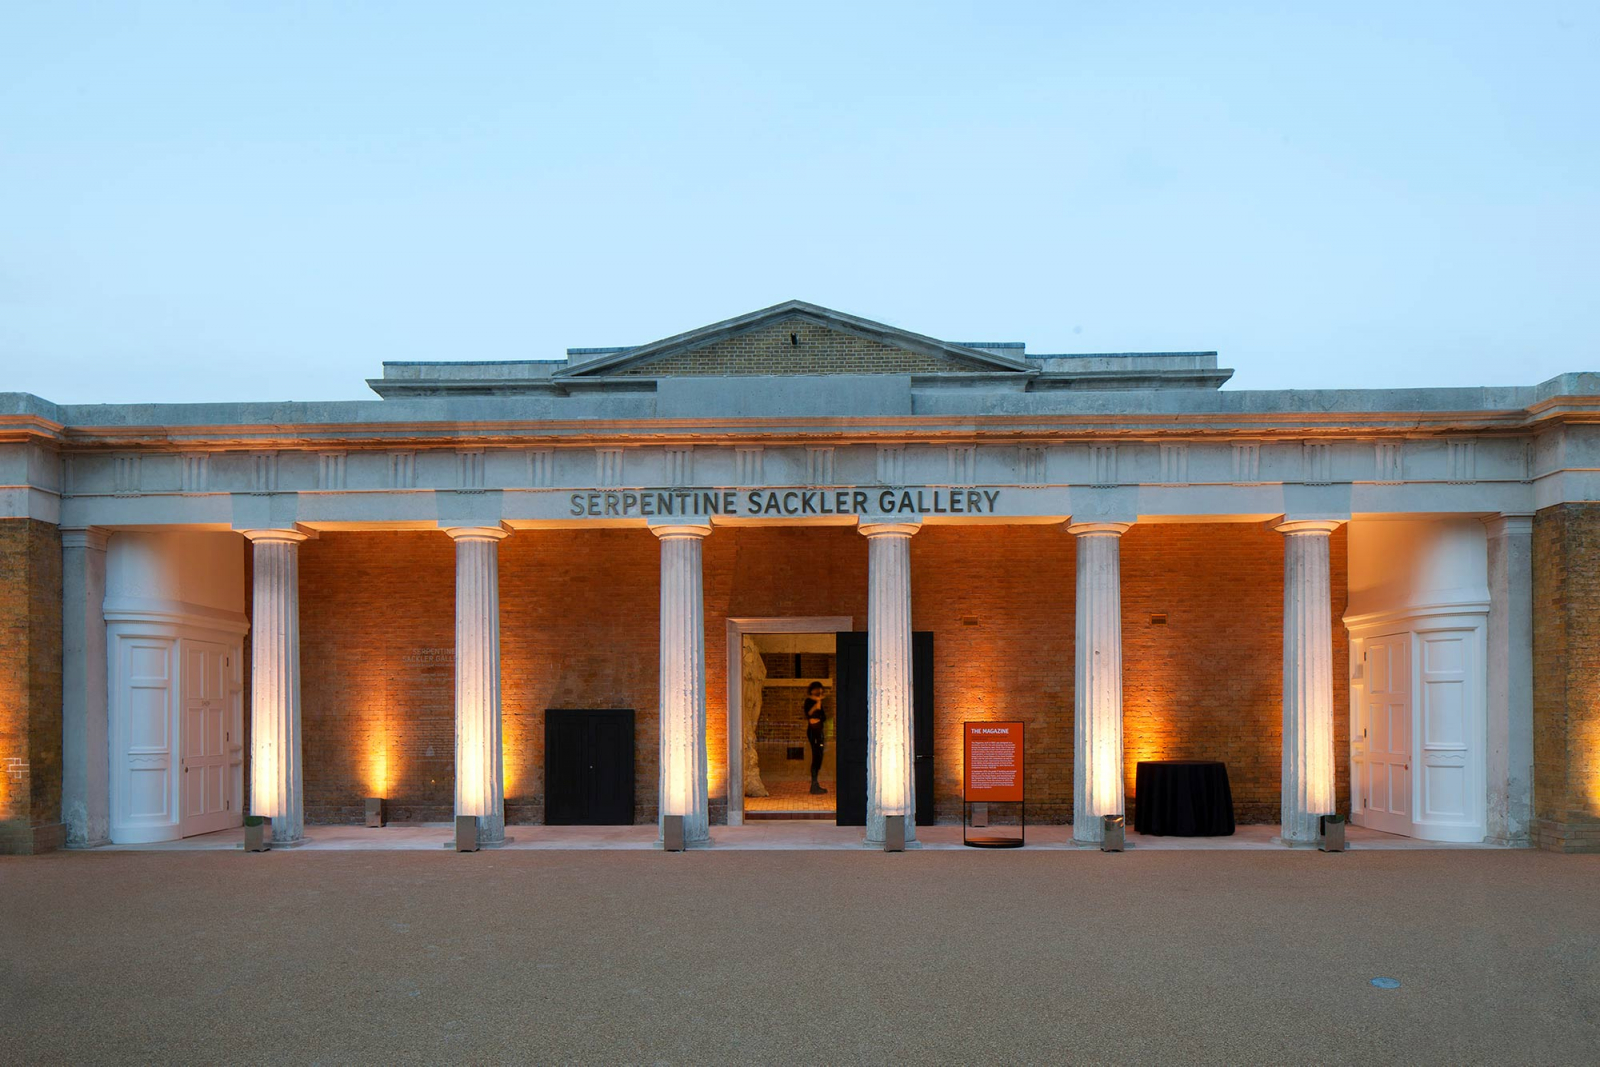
1509,522
1324,527
1102,529
888,529
477,533
90,537
291,534
680,531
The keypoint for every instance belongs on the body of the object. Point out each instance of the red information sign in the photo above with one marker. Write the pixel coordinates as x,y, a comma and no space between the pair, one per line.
993,761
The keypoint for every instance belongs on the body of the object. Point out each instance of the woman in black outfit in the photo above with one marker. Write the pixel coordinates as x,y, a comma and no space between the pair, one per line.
814,718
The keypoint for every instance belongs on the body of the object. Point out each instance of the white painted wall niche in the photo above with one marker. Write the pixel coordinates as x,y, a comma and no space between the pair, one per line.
1418,618
175,625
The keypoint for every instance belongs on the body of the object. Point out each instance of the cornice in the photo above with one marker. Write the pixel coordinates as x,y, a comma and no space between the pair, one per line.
29,427
523,433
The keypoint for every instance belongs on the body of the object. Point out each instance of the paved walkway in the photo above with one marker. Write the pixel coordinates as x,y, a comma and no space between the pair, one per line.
815,957
802,835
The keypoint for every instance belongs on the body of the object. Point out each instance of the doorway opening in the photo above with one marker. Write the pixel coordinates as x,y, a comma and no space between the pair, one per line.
790,718
763,755
763,651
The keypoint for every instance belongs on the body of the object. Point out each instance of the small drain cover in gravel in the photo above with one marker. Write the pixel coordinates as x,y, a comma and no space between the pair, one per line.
1386,983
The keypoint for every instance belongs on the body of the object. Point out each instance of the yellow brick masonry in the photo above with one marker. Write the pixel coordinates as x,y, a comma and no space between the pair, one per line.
813,349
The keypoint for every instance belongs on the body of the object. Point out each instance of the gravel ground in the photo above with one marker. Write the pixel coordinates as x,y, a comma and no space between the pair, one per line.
813,957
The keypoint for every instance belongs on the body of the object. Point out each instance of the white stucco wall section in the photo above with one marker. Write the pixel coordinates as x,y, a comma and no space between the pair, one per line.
1416,565
1425,583
175,623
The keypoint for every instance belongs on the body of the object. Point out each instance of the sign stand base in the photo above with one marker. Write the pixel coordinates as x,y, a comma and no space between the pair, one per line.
992,842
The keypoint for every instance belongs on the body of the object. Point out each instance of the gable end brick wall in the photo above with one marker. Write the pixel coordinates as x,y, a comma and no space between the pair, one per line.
819,350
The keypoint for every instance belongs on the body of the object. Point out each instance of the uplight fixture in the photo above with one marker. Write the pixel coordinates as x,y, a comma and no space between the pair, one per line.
894,833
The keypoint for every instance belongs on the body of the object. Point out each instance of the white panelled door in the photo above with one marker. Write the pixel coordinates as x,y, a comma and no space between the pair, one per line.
1450,793
207,741
1385,786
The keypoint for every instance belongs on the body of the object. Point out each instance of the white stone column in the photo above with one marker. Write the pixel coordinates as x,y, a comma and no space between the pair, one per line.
276,771
684,760
891,751
1308,760
480,779
1097,778
85,740
1510,679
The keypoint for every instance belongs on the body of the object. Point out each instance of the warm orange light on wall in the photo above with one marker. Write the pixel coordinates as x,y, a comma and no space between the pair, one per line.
379,760
717,759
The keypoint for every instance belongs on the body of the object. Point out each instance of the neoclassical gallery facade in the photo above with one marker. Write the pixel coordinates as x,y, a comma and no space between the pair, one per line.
1373,602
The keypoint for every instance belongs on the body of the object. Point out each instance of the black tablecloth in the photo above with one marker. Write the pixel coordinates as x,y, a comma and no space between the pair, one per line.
1183,798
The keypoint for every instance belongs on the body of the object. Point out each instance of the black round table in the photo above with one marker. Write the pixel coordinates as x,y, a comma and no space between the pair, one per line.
1183,798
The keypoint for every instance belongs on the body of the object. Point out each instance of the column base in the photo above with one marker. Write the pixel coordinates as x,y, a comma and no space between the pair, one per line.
1514,841
1279,839
298,842
75,846
688,845
1091,834
876,831
483,846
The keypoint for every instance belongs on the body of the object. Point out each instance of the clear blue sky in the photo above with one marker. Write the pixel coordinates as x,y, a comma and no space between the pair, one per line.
223,201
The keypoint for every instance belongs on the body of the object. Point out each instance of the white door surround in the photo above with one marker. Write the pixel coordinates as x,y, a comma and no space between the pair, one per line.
1445,653
174,681
737,628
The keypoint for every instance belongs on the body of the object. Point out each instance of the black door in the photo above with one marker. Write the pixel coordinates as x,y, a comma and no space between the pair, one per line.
850,726
922,721
588,767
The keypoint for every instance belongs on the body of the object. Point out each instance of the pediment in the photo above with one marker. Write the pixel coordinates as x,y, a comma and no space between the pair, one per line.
794,338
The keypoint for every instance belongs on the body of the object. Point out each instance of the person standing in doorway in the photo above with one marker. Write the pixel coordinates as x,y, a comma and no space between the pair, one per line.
815,717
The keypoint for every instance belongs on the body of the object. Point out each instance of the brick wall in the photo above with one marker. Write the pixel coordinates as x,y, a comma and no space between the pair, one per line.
579,628
579,616
377,663
1566,677
578,625
1000,600
1208,683
814,350
30,686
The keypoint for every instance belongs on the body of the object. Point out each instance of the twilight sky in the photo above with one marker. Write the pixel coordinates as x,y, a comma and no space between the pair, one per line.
254,201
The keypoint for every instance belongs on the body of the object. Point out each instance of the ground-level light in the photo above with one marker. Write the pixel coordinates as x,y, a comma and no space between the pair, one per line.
1330,837
894,833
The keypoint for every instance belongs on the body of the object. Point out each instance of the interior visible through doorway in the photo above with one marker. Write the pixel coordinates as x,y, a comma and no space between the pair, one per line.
788,678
